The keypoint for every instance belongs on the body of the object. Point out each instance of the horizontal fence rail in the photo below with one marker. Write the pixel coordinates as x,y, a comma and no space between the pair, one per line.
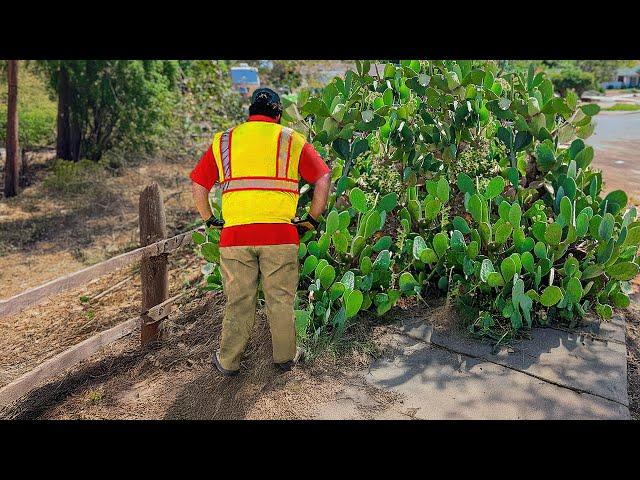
40,294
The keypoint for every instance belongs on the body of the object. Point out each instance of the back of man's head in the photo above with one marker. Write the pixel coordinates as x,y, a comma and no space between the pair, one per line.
265,101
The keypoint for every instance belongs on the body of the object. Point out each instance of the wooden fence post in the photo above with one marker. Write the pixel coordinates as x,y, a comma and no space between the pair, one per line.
153,270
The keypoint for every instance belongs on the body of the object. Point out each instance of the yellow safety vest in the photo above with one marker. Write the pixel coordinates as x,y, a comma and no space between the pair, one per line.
258,172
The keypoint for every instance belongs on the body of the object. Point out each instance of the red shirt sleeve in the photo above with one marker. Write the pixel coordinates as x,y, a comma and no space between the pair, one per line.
311,167
206,172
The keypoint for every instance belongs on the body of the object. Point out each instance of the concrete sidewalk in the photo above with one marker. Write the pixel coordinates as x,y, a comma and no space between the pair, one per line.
603,99
555,375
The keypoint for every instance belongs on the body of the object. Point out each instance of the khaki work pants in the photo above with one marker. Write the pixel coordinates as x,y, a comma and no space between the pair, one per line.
241,267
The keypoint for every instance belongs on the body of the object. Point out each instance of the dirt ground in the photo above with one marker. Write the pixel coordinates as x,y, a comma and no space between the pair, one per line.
174,379
614,92
45,234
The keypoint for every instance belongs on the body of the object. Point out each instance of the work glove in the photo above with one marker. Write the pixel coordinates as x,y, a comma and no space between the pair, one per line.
307,225
214,222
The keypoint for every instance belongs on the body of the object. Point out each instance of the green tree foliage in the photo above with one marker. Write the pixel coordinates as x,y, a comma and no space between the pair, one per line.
572,79
524,237
207,104
285,74
115,102
36,109
602,70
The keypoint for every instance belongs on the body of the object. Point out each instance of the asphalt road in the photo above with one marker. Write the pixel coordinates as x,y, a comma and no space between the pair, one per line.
616,141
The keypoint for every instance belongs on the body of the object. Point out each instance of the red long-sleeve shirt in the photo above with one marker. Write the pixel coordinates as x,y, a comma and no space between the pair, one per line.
311,168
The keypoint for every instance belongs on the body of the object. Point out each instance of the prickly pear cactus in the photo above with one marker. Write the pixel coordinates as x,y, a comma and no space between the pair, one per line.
454,177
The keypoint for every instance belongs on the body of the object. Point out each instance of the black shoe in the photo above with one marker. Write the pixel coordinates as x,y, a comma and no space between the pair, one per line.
285,366
221,369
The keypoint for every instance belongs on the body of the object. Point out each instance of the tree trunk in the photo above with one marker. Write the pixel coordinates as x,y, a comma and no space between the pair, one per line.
75,140
12,166
63,141
23,168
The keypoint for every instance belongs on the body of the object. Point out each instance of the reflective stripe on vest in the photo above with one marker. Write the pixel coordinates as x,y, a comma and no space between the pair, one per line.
253,183
281,183
225,153
284,152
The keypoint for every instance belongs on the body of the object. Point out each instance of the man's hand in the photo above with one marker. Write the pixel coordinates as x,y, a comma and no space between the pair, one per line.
201,198
214,222
306,225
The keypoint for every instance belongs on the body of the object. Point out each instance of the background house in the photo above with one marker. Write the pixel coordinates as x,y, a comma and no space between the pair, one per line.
625,78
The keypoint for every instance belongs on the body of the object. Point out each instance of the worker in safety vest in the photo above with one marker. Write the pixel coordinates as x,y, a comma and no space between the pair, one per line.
258,164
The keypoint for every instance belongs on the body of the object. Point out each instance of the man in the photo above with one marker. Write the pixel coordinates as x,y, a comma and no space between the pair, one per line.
258,165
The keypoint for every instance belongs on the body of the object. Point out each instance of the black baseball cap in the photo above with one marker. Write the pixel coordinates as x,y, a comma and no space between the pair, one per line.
265,101
265,96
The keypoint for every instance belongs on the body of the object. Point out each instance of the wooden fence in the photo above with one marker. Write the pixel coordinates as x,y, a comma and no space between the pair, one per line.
156,306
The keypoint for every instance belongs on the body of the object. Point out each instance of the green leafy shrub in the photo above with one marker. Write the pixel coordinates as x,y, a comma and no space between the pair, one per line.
37,127
207,104
451,179
69,177
572,79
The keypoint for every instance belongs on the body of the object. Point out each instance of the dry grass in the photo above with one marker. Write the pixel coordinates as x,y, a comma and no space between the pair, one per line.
40,332
45,234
